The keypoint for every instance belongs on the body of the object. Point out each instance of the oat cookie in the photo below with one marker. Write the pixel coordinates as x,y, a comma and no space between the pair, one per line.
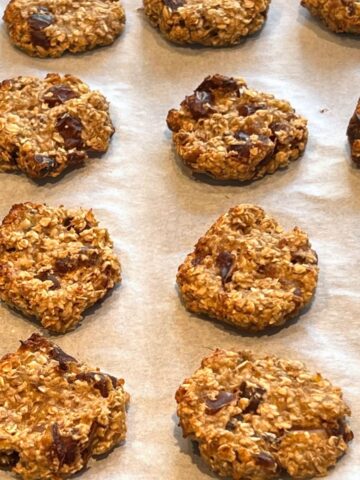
207,22
49,125
56,412
261,417
230,132
340,16
55,263
353,133
48,28
247,271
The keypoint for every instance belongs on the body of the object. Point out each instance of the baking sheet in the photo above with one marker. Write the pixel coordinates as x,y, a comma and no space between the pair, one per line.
155,213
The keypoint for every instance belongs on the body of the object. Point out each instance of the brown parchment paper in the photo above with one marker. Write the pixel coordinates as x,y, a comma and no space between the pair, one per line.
155,213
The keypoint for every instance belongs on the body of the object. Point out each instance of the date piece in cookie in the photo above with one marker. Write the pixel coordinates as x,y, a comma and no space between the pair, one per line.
49,125
248,271
353,133
207,22
260,417
340,16
230,132
56,412
55,263
49,28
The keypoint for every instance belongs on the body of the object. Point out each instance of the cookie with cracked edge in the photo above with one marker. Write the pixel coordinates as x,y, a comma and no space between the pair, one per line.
231,132
50,125
353,133
55,263
56,412
49,28
211,23
248,271
340,16
261,417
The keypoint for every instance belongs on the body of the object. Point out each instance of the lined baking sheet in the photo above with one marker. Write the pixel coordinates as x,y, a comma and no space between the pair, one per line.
155,213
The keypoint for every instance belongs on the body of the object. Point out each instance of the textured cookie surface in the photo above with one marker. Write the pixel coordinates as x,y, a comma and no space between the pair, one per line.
56,412
257,418
247,271
48,28
55,263
207,22
341,16
353,133
49,125
230,132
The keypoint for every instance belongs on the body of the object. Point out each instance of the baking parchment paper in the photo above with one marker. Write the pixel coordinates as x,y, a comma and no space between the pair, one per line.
155,213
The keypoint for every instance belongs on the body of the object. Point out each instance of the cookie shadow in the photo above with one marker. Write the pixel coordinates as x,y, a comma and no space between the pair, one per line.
103,456
208,179
191,449
90,312
96,458
66,54
239,331
191,48
42,182
30,320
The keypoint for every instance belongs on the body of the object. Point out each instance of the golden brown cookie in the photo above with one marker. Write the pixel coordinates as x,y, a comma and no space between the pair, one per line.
248,271
262,417
231,132
47,126
55,263
48,28
207,22
56,412
340,16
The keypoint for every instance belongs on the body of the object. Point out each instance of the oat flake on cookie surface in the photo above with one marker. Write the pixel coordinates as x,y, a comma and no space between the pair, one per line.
262,417
231,132
340,16
55,263
248,271
207,22
49,28
56,412
48,125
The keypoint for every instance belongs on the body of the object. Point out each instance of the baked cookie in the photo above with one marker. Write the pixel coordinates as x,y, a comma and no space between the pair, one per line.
49,125
247,271
56,412
55,263
49,28
207,22
353,133
340,16
258,417
231,132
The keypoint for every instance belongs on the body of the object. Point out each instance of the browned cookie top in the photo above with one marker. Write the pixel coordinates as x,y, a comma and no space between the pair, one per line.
353,133
207,22
55,263
48,28
247,271
56,412
49,125
341,16
228,131
262,417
